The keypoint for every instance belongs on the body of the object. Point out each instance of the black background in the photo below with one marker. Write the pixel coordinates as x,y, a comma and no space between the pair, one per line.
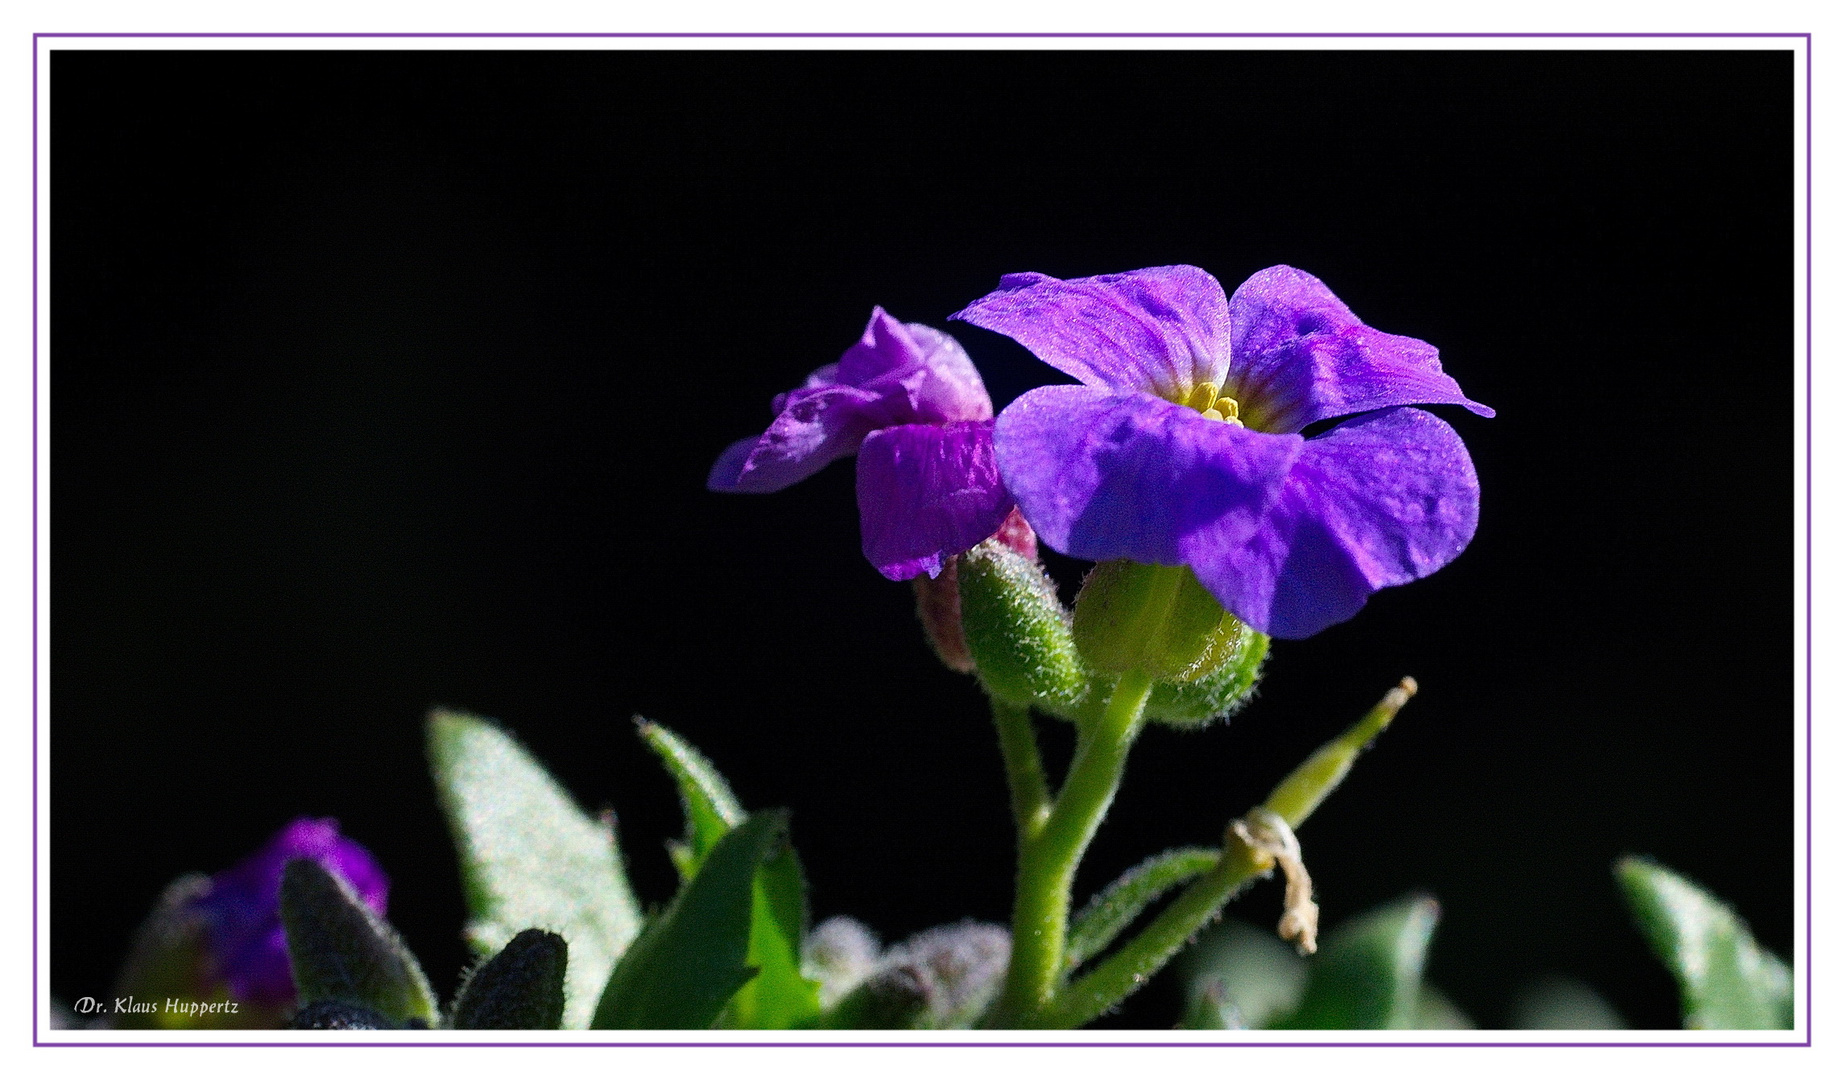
389,380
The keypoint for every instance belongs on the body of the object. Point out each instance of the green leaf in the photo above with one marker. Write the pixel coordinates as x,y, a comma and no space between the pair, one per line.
520,989
779,997
1114,908
1239,976
529,856
342,951
682,970
1367,974
711,809
1726,980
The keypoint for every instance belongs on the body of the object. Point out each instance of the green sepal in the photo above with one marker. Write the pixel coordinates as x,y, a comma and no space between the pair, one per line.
1726,980
529,856
1018,632
1114,908
690,960
1367,973
1190,703
779,996
342,951
519,989
1159,620
1238,976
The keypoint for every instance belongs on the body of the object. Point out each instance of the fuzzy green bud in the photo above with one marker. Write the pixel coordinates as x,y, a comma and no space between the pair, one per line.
1191,703
1154,619
1017,631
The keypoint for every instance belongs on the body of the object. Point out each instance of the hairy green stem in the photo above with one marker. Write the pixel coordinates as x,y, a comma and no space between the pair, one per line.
1024,769
1132,964
1293,800
1047,862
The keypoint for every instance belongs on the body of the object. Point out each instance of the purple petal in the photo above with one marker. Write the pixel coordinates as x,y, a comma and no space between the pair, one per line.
1113,476
927,493
1299,355
920,374
952,389
1161,330
242,910
817,426
884,347
1379,500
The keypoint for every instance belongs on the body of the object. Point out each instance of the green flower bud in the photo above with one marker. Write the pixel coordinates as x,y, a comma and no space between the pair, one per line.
1191,703
1154,619
1017,631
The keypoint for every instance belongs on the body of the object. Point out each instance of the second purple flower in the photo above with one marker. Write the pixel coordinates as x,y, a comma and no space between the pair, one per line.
908,402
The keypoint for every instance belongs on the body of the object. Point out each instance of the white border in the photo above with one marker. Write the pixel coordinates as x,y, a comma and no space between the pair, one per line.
44,48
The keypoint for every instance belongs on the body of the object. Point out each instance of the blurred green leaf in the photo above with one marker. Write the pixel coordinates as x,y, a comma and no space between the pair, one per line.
1239,976
690,961
1435,1012
341,951
1367,973
1557,1003
1114,908
1726,980
529,856
520,989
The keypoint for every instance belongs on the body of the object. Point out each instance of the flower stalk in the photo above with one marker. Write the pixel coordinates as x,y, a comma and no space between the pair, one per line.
1036,993
1047,861
1024,769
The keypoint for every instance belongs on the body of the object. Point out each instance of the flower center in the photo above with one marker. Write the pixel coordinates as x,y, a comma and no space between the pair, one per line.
1208,400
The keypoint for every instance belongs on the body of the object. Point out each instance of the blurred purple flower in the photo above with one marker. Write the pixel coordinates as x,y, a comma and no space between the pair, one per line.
1183,444
906,400
241,912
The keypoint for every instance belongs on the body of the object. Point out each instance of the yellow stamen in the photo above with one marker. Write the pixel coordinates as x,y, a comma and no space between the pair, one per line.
1228,407
1203,397
1212,414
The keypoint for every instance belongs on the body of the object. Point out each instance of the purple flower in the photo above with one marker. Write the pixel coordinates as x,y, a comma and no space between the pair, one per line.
1183,444
909,403
241,912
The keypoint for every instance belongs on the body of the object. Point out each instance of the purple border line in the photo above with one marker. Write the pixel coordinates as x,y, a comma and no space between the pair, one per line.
1804,35
959,1045
35,563
919,34
1809,787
